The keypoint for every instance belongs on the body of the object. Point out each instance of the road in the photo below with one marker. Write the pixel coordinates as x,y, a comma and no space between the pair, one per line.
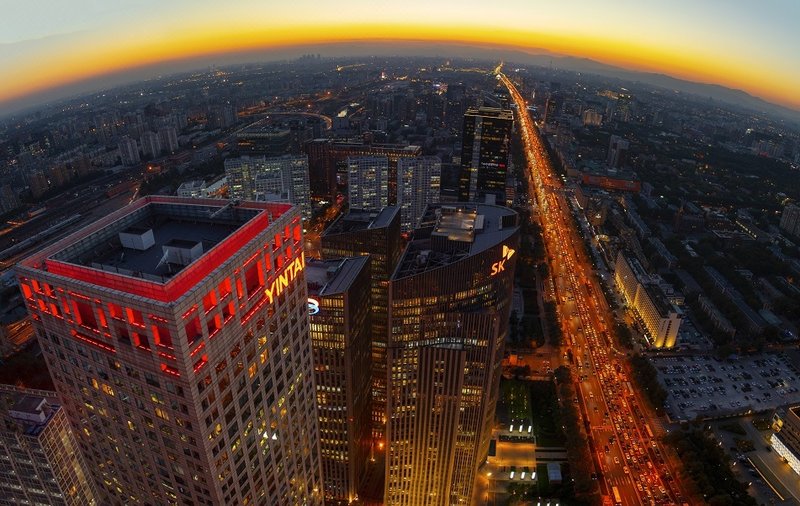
625,452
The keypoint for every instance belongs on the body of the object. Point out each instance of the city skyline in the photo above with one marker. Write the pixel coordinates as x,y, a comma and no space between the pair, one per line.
89,42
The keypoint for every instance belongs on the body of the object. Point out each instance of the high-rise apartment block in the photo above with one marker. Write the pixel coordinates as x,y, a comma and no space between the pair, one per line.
374,233
328,157
8,199
169,139
484,154
368,182
128,151
151,144
339,305
282,178
176,332
617,152
790,219
42,463
449,306
419,184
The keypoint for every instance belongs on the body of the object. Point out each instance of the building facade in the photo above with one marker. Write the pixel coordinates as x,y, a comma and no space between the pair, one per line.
418,184
660,318
128,151
449,306
484,154
376,234
786,442
368,182
339,303
283,178
176,332
328,157
42,463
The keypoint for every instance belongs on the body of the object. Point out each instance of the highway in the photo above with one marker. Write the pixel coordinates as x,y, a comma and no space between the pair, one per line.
619,428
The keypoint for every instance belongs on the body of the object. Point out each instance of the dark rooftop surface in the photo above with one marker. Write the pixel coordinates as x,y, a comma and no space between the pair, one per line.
329,277
360,219
175,225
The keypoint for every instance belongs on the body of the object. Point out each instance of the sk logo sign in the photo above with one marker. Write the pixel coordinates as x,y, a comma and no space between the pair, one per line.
500,265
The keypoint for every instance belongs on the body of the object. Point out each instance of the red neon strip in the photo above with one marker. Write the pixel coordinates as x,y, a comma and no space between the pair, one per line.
166,355
189,312
255,308
170,370
94,342
185,280
199,347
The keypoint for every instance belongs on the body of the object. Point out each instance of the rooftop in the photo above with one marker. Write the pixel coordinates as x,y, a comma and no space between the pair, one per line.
330,277
362,219
177,226
142,248
25,410
449,233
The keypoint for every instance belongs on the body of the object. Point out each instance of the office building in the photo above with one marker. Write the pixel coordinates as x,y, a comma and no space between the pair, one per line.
327,160
128,151
484,155
374,233
790,219
42,464
419,184
368,182
283,178
786,442
660,317
339,303
176,332
449,307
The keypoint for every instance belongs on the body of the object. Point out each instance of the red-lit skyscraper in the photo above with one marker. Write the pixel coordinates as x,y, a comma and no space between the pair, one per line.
176,332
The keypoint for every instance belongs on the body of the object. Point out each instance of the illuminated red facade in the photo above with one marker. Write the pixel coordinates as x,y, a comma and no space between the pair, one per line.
182,355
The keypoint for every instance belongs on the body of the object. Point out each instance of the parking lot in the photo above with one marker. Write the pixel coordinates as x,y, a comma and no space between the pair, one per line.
707,387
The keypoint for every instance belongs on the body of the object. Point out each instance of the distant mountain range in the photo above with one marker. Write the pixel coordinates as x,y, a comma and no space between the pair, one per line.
535,56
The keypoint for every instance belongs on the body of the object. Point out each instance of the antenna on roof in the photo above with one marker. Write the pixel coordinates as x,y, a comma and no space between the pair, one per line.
163,259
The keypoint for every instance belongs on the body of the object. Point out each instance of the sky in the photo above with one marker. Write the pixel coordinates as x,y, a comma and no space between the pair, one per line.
47,46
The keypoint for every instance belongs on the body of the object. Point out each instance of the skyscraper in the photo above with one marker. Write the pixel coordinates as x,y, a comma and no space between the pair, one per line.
484,154
282,178
449,305
368,182
374,233
42,463
339,304
176,332
419,184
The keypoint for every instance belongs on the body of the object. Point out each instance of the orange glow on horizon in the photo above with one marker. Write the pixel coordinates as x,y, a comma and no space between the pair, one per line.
84,59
